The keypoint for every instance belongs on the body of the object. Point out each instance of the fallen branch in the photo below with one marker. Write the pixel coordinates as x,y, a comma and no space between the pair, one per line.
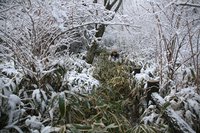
174,119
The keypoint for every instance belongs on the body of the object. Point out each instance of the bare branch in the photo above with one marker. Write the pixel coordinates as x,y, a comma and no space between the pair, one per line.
9,8
88,23
188,4
119,4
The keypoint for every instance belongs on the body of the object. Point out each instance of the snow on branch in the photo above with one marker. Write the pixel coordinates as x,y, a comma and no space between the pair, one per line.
188,4
8,8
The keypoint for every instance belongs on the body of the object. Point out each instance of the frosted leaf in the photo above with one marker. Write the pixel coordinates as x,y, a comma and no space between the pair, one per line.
9,71
150,118
180,113
33,123
141,76
8,68
194,106
8,85
176,104
189,116
35,131
13,101
80,78
15,115
40,98
39,95
151,107
81,81
49,129
51,111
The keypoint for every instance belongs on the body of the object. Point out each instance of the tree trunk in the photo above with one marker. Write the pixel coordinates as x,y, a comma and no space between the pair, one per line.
92,50
101,29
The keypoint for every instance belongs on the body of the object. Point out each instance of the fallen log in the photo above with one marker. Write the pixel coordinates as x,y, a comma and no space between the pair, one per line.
179,125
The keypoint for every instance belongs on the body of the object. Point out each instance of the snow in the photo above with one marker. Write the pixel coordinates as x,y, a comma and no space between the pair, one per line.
186,99
37,95
158,99
51,111
149,68
40,98
148,72
33,122
150,118
194,106
175,119
81,82
189,116
187,92
79,78
142,76
8,68
7,85
49,129
13,101
14,113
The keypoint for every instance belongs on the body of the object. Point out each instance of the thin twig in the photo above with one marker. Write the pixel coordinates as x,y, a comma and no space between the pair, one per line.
3,96
9,8
188,4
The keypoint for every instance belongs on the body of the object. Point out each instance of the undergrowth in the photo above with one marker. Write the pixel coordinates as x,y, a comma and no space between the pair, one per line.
48,105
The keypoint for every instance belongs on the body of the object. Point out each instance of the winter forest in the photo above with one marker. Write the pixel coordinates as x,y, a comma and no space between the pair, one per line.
99,66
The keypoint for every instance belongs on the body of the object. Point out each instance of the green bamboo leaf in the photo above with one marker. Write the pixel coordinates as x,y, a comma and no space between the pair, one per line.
153,130
72,128
82,127
62,129
62,105
53,100
111,126
193,73
165,105
137,129
144,128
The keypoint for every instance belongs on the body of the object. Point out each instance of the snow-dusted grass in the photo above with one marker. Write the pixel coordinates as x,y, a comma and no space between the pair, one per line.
66,92
35,105
30,100
80,79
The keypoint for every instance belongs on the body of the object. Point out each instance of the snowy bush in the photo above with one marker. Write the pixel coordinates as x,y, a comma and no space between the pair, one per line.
186,102
32,101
